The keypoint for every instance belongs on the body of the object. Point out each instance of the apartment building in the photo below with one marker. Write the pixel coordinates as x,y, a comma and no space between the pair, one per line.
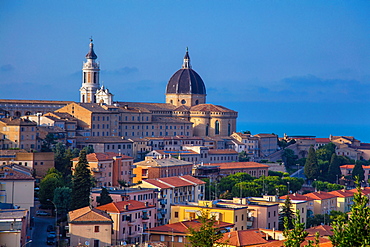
108,168
39,162
13,227
252,168
237,214
161,168
130,220
18,133
172,190
17,186
105,144
146,195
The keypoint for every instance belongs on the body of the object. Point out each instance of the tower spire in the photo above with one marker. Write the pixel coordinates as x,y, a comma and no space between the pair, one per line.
91,54
186,64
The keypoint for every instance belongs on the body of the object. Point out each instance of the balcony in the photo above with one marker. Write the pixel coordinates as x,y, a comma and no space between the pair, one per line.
133,166
101,179
97,170
163,201
132,175
162,210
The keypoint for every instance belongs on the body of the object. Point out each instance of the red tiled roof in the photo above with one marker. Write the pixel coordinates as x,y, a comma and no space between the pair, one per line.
244,238
183,227
352,166
193,179
88,214
342,193
118,207
322,140
297,197
95,157
178,181
11,174
320,195
239,165
324,230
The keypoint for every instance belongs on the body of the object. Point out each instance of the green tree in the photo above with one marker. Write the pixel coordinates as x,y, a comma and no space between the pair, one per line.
311,168
355,231
296,236
89,149
243,156
62,160
81,183
289,157
334,169
286,214
48,184
48,142
358,171
62,199
105,198
207,235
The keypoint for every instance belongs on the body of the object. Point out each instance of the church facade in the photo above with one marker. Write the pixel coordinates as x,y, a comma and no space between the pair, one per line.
185,111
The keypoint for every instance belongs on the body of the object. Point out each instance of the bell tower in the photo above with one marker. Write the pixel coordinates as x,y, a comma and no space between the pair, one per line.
90,77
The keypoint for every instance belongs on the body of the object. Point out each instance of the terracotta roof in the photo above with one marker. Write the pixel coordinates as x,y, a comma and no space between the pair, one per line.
118,207
157,183
183,227
192,179
323,242
87,214
297,197
7,173
210,108
322,140
182,108
93,107
342,193
244,238
17,122
95,157
364,191
239,165
324,230
163,162
177,181
352,166
320,195
6,214
222,151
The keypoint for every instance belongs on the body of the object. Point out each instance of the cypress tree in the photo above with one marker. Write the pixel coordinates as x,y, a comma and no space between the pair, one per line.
81,183
311,168
358,171
334,168
286,214
105,198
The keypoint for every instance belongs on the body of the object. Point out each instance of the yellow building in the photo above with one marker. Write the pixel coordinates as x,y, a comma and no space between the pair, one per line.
239,215
17,133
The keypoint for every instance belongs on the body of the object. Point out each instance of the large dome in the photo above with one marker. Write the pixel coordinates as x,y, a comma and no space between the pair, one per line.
186,80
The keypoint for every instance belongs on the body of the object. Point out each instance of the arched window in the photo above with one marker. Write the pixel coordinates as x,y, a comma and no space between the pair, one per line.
217,127
207,129
229,129
197,102
183,102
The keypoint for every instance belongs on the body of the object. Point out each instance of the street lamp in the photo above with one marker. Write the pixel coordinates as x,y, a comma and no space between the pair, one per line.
288,187
29,241
56,220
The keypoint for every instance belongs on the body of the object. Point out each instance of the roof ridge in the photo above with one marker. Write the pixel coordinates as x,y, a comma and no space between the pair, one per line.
238,239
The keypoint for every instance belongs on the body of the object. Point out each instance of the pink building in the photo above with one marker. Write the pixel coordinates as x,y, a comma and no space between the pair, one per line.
130,220
138,194
108,168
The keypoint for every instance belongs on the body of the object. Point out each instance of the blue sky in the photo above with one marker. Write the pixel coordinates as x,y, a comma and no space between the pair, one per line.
300,63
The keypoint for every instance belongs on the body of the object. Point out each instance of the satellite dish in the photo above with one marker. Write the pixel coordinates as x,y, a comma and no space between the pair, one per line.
87,243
